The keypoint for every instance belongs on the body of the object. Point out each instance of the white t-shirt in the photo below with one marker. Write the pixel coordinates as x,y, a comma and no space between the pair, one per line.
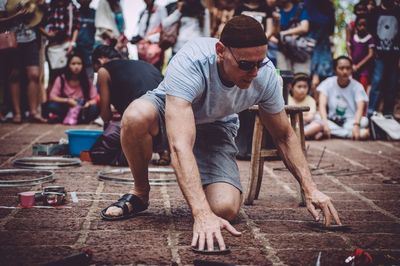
193,76
342,102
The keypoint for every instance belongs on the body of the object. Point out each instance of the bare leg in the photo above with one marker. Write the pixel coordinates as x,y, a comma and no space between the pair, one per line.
312,130
15,92
139,125
34,95
224,200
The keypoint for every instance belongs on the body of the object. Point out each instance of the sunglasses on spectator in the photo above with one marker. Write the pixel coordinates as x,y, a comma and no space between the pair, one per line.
248,65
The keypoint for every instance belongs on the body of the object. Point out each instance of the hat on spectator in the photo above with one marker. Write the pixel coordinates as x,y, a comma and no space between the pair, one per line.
243,31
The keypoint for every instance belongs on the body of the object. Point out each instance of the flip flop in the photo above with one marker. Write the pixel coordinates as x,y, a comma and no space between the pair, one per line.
135,201
216,251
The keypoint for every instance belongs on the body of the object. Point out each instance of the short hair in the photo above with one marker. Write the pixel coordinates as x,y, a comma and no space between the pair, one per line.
105,51
358,18
300,76
242,32
336,60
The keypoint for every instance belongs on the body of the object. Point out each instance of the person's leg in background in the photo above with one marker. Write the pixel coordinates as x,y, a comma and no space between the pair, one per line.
56,112
89,114
376,80
15,93
389,95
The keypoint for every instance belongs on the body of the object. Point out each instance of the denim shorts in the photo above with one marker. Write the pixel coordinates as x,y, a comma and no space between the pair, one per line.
214,149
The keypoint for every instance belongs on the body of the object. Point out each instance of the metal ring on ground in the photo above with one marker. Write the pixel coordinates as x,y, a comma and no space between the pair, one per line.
45,176
113,176
46,163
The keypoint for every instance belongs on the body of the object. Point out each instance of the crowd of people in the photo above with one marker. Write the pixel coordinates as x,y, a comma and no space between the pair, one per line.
223,60
66,36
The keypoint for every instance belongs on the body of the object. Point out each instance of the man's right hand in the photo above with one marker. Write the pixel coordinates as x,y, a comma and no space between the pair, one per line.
208,226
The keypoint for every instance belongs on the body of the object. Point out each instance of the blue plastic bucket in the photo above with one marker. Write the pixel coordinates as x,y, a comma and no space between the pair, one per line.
81,140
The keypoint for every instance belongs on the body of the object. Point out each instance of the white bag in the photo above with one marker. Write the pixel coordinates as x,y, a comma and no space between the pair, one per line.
57,55
387,124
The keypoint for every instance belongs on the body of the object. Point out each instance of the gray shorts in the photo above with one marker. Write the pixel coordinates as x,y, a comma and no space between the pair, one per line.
214,149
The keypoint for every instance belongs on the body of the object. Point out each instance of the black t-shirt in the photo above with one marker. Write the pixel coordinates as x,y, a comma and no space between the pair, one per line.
385,27
130,79
261,13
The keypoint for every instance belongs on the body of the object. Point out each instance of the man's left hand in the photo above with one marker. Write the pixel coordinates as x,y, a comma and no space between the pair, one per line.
356,132
318,200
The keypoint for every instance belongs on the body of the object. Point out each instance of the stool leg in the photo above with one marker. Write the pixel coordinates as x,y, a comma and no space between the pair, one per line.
255,162
260,176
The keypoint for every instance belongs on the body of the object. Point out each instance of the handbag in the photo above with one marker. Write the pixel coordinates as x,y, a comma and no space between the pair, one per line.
169,35
8,40
298,48
57,55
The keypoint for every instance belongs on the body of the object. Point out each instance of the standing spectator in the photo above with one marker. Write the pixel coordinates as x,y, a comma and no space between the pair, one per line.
110,25
194,22
220,12
26,60
345,100
322,26
361,50
85,41
258,10
288,11
61,27
7,56
273,40
73,97
385,25
149,33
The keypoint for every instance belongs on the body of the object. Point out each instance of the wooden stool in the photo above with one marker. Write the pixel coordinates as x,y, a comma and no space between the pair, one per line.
260,153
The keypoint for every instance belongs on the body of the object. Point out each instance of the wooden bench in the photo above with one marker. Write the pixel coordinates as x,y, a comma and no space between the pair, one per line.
263,148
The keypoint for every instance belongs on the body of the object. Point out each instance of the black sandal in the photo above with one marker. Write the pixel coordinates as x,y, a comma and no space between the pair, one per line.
137,204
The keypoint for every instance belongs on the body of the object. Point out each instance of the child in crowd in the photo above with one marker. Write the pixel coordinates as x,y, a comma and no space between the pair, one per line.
299,97
73,98
361,50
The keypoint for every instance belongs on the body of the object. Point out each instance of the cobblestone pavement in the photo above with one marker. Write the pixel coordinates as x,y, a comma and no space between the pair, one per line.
276,231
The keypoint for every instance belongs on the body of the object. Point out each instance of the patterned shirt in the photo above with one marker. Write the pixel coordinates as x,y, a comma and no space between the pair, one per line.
58,21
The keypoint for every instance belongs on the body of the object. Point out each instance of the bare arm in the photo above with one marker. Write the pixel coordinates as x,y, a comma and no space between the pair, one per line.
301,29
181,132
365,60
269,26
357,119
103,79
294,159
323,103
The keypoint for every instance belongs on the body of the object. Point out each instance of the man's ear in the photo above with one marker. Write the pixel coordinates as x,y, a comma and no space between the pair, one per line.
220,48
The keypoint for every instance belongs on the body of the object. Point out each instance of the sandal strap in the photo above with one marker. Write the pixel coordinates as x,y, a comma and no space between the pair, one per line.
121,204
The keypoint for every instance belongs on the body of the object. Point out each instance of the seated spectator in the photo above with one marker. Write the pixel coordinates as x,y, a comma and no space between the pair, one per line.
73,98
299,97
345,100
361,50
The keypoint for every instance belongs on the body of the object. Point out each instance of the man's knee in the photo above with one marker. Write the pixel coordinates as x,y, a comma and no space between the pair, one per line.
139,118
226,209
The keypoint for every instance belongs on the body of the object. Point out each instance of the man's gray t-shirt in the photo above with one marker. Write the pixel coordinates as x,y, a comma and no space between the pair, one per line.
342,102
193,76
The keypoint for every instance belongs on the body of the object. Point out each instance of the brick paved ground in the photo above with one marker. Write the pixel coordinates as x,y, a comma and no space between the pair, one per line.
275,230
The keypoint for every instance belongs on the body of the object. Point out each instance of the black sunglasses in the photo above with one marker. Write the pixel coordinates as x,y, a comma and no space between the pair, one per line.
248,65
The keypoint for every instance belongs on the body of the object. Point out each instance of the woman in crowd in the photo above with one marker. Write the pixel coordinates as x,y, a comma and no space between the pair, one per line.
73,98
